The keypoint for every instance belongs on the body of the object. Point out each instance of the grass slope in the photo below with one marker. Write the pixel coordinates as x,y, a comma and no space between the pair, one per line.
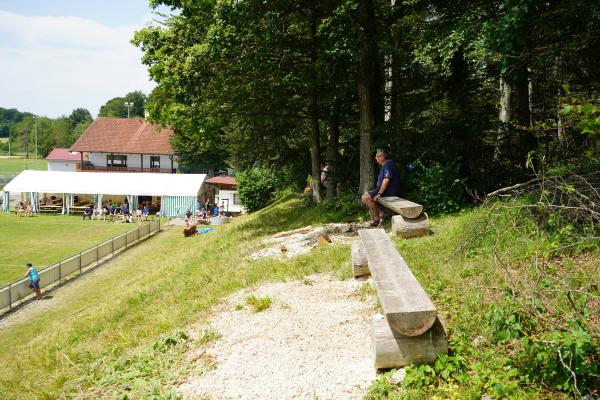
101,337
120,332
46,239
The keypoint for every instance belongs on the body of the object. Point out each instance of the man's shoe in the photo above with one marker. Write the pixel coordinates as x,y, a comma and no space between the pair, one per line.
375,224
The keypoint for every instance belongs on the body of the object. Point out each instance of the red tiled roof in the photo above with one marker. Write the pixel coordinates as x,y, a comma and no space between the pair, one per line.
124,135
61,154
222,180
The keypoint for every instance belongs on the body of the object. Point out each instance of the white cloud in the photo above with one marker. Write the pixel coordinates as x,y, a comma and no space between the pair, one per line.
52,65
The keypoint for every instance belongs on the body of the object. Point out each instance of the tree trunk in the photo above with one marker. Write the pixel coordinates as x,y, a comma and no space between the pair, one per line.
315,158
504,116
315,144
367,84
515,112
332,151
560,126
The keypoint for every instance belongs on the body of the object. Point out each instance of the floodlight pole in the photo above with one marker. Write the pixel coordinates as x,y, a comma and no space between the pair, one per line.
128,104
35,130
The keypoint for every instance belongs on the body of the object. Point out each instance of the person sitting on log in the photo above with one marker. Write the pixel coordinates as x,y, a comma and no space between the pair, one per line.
388,183
189,230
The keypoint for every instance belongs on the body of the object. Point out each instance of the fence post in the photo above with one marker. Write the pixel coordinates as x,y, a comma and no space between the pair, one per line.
112,246
80,262
126,241
97,254
60,272
10,296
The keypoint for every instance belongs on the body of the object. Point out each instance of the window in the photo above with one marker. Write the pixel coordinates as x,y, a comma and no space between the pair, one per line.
154,161
236,199
116,160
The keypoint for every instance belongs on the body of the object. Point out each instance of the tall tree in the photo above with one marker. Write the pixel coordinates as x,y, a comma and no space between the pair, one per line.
131,105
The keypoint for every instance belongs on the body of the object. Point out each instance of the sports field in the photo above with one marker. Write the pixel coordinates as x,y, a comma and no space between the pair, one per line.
13,165
46,239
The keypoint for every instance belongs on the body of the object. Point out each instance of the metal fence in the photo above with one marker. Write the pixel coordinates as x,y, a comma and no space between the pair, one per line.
4,179
75,265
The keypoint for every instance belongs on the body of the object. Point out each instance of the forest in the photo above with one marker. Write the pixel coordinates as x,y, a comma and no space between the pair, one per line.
469,96
29,135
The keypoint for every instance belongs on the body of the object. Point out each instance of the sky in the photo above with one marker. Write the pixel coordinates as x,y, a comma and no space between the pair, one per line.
59,55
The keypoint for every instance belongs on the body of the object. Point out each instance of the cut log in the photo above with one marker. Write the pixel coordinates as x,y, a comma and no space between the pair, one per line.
394,350
410,227
360,264
406,208
405,304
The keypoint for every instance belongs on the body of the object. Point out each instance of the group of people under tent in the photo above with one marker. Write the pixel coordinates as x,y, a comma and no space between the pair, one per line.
203,213
24,209
115,212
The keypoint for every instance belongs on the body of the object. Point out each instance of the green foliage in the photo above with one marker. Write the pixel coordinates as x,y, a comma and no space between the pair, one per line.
116,107
586,118
344,208
23,128
507,321
562,359
383,388
259,304
256,187
437,186
164,342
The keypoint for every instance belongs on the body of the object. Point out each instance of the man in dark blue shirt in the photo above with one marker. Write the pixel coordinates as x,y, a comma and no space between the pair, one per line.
388,183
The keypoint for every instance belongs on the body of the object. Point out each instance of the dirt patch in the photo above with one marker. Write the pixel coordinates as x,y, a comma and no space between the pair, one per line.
313,342
301,241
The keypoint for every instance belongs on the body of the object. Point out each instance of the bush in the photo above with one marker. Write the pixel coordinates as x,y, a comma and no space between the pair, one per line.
436,186
256,187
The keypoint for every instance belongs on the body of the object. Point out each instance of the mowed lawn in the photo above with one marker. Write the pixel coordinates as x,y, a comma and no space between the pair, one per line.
12,166
46,239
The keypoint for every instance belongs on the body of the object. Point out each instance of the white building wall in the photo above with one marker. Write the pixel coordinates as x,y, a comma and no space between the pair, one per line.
133,160
64,166
231,197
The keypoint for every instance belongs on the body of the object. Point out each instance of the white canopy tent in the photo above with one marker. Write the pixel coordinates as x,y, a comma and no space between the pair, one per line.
178,191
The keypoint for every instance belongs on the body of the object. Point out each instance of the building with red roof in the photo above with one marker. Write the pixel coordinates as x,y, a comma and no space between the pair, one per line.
61,159
126,145
225,193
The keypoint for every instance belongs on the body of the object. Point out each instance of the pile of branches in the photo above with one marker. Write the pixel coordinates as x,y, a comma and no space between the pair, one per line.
576,197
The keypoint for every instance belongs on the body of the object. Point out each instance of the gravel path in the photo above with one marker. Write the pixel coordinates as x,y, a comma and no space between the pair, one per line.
312,343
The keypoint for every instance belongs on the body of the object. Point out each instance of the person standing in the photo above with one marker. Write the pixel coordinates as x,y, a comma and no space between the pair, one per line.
388,183
34,280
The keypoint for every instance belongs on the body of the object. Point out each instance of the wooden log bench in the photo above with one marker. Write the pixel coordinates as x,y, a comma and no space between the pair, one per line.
411,221
410,331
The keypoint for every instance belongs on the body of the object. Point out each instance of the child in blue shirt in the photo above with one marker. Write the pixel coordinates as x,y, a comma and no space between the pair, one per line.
34,280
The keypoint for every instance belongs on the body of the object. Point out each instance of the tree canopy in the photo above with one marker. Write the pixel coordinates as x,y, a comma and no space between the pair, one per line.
468,88
21,129
117,106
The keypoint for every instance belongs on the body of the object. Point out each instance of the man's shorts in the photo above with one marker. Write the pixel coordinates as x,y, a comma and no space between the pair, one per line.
373,192
34,284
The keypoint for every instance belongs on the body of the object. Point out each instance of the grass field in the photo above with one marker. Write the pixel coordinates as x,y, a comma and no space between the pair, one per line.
46,239
120,331
12,165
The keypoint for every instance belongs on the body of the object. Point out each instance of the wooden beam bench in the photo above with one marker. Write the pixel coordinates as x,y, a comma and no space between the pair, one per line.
411,221
410,331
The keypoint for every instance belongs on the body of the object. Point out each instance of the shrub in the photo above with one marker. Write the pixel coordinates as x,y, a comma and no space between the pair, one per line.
436,186
259,304
344,207
256,187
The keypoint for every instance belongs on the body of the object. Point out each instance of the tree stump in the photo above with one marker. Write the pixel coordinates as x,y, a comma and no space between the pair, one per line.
410,227
360,264
392,349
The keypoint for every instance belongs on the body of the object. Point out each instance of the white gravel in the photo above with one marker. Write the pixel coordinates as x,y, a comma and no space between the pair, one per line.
312,343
